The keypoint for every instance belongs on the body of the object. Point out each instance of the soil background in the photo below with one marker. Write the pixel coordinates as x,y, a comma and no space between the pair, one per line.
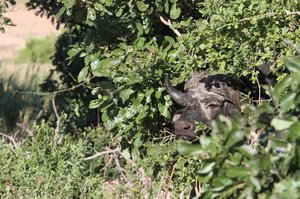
28,25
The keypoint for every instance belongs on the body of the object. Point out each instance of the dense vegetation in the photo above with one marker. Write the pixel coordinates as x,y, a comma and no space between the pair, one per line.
112,58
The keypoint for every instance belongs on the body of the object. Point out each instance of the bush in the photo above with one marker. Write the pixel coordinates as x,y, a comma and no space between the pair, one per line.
122,50
45,167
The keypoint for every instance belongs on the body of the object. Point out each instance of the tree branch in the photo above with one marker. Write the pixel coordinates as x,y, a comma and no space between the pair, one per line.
100,154
168,23
57,128
170,181
12,140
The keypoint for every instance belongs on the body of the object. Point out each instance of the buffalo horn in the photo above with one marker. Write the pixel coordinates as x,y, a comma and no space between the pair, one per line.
179,97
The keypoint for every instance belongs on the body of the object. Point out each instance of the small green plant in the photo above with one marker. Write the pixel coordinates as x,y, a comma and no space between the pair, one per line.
37,51
45,167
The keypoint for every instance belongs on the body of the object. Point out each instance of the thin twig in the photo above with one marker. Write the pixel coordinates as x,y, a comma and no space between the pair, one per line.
259,91
100,154
12,140
170,181
160,184
119,168
23,127
57,117
54,92
169,23
197,188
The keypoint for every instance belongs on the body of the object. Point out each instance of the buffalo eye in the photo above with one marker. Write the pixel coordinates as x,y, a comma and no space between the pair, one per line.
213,105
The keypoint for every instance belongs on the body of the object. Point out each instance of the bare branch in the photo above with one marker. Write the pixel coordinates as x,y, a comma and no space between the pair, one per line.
170,181
58,91
23,127
169,23
100,154
58,120
11,139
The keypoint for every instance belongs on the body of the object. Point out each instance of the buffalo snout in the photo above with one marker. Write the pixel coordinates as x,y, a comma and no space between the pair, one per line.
185,129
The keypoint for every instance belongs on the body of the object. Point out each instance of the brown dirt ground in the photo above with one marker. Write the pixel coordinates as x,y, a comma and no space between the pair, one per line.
28,25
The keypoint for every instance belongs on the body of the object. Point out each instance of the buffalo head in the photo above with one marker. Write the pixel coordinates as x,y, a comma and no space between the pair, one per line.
205,97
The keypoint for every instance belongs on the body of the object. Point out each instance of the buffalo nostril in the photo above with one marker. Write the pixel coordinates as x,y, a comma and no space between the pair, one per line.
187,127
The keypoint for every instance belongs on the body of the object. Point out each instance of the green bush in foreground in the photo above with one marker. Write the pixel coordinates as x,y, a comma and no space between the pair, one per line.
230,163
242,166
44,168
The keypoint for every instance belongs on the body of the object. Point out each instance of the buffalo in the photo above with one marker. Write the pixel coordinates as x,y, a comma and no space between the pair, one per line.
205,97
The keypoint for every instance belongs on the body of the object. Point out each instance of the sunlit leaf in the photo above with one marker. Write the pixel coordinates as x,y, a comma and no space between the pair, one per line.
142,6
175,11
236,172
83,74
280,124
189,149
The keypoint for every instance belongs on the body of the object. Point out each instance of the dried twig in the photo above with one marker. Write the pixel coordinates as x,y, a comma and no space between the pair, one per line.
100,154
119,168
259,91
170,181
160,184
23,127
11,139
197,188
54,92
169,23
57,117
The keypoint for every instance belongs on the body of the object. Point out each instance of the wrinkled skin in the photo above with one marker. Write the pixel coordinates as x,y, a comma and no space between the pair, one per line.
205,98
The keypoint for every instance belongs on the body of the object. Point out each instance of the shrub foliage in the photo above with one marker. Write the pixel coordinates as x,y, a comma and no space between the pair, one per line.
122,50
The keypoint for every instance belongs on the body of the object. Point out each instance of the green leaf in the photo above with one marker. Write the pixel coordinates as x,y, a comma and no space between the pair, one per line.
220,182
119,13
73,51
189,149
255,183
280,124
287,102
175,12
233,138
295,46
60,12
236,172
91,14
69,3
83,74
246,150
140,28
163,109
265,162
205,178
293,64
280,87
142,6
206,168
140,43
95,104
125,94
294,133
